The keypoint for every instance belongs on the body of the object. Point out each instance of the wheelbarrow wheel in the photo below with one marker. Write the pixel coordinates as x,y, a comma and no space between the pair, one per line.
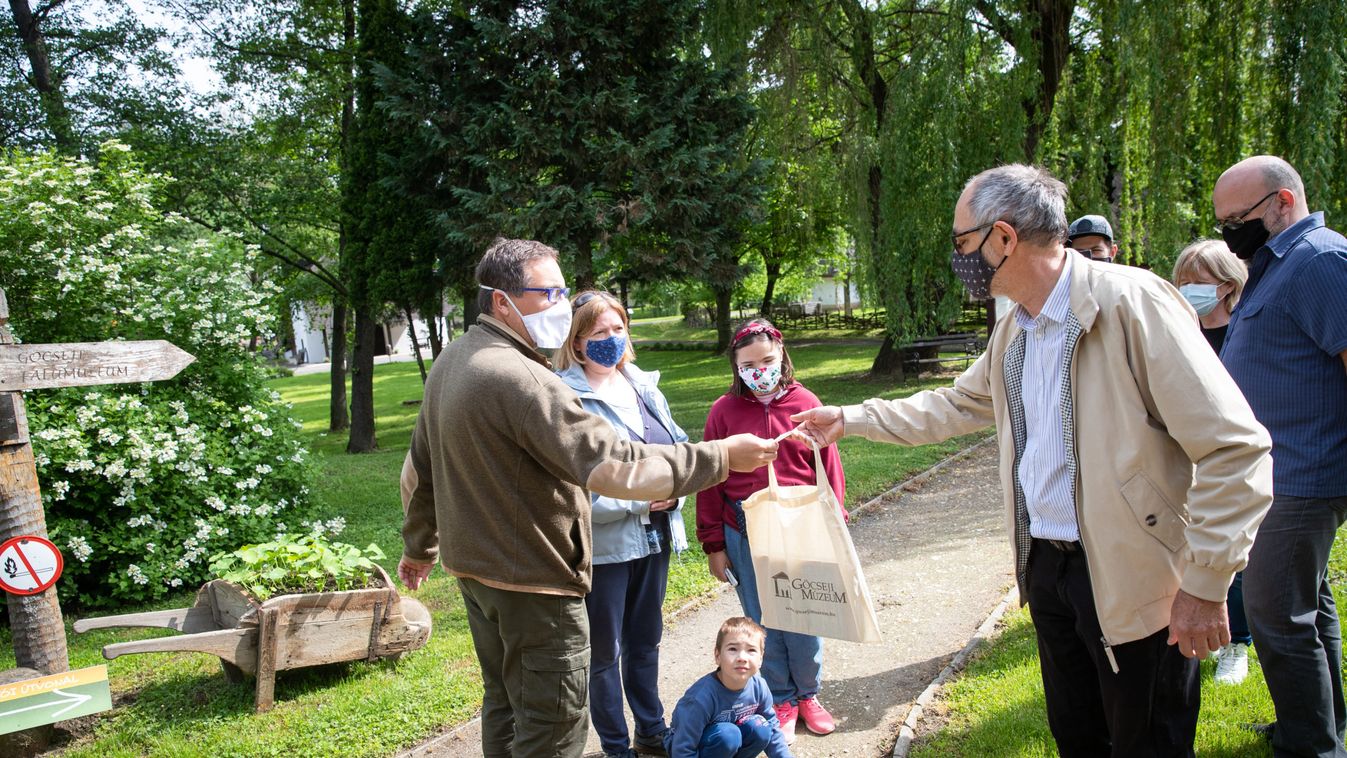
233,674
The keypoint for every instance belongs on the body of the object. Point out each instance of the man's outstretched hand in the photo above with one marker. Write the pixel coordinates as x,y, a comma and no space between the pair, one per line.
823,425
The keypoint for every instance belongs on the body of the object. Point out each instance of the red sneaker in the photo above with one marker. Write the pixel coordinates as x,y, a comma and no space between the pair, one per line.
786,713
816,718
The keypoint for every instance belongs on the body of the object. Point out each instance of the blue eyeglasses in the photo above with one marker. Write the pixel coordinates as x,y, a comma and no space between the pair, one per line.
553,293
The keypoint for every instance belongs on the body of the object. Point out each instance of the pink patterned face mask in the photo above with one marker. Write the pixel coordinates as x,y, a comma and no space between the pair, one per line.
762,380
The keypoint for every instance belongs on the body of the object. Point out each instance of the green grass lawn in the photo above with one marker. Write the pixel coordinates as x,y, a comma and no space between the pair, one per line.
995,709
180,704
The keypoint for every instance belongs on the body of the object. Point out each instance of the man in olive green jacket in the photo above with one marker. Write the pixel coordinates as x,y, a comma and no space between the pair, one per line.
1134,473
496,487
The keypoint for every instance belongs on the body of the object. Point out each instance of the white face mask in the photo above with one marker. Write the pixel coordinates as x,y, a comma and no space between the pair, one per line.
549,327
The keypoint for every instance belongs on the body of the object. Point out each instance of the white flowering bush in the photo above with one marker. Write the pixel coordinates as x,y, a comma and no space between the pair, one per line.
143,482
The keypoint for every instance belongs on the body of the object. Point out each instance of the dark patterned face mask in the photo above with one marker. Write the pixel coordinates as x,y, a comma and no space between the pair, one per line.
974,270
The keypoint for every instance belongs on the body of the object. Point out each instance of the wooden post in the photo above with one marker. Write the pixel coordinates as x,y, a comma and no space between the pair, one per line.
34,620
266,660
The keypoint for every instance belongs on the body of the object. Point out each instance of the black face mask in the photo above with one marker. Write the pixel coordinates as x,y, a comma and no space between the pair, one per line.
1245,239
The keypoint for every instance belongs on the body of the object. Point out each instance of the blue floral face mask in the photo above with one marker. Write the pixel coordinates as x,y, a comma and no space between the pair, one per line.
607,351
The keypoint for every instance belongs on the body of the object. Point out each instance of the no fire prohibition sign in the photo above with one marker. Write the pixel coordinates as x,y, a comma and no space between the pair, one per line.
29,565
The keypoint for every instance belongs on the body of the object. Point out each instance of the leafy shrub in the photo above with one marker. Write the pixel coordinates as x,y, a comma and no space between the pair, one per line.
142,482
292,564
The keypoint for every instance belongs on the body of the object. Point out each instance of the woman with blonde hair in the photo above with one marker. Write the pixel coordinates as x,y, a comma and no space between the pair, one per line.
632,539
1211,279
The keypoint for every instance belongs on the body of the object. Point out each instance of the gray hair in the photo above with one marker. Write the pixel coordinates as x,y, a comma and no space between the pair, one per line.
502,267
1277,174
1028,198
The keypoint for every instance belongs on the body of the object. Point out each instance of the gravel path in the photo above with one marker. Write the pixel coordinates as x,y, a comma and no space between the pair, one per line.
937,561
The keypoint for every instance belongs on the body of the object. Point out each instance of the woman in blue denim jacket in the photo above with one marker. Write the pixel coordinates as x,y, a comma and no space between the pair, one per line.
632,539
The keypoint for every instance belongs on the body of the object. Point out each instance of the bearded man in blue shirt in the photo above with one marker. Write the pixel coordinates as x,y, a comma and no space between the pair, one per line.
1286,348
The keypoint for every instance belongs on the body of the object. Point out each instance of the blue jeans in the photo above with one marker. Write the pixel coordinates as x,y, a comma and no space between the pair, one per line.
626,622
725,740
792,663
1295,623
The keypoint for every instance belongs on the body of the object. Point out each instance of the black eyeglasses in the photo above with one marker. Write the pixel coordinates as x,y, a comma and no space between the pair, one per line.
1230,225
553,293
955,237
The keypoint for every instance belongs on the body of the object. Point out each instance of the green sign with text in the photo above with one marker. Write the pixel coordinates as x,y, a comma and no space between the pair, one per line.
34,702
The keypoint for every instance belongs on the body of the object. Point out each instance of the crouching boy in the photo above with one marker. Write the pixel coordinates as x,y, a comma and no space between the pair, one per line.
728,713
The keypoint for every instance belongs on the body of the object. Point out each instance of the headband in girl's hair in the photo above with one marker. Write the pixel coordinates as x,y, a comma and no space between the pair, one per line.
753,329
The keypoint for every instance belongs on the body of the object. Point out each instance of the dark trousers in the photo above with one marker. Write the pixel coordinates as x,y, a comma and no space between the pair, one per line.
534,654
626,622
1234,606
1295,623
1148,708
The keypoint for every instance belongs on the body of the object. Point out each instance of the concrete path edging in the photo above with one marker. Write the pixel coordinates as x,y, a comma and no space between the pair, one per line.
908,732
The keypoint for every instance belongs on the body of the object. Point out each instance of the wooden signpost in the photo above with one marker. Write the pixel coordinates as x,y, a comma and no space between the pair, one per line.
35,620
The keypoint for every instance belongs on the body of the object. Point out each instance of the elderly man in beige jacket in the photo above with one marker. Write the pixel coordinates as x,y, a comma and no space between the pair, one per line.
1135,474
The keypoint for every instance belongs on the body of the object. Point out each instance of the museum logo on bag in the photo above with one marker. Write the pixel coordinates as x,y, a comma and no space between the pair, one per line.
787,588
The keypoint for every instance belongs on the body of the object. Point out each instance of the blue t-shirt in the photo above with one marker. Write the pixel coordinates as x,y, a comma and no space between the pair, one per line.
708,702
1283,349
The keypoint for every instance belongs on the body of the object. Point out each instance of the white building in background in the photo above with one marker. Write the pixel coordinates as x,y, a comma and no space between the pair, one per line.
833,292
313,338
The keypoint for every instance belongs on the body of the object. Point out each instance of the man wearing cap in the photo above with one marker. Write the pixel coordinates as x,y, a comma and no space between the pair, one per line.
1092,237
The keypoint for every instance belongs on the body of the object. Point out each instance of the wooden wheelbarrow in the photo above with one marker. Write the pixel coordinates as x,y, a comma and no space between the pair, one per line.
285,632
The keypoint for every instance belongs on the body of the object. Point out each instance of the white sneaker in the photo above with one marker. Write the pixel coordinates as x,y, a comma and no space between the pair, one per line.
1233,664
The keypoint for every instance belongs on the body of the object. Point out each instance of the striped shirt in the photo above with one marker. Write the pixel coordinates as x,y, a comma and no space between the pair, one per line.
1043,471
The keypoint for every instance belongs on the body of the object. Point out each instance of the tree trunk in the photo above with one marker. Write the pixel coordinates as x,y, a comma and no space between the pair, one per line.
723,326
889,362
433,324
362,383
416,346
773,273
338,419
1051,21
622,288
583,264
36,629
47,83
470,311
990,305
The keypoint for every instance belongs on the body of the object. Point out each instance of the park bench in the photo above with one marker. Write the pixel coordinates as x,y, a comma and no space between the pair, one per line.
942,350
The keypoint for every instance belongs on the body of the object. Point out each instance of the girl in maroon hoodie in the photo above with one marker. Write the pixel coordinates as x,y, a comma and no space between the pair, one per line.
761,400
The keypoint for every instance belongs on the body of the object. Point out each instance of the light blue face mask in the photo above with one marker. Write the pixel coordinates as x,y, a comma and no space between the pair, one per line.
1201,296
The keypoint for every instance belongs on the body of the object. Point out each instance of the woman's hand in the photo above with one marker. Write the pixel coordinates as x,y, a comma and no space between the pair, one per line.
662,505
718,562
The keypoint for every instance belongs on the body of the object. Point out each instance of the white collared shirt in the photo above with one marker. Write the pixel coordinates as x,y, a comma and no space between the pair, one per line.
1043,471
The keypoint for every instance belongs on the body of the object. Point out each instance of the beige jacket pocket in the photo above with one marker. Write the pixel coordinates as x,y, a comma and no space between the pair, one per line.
1154,513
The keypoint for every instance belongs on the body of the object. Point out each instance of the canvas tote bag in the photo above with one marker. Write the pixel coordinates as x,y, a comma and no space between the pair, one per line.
809,579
